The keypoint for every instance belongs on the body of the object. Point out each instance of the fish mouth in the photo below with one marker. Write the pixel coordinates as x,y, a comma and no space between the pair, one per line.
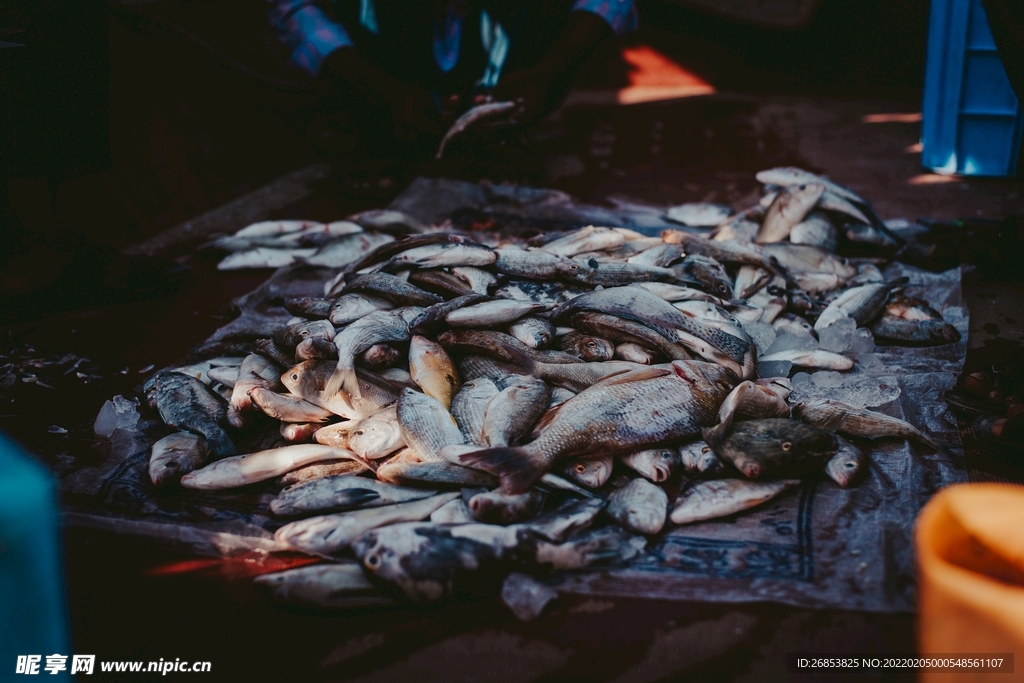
751,470
661,474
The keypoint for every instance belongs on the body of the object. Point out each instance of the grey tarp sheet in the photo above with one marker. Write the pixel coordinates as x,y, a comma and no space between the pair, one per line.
815,546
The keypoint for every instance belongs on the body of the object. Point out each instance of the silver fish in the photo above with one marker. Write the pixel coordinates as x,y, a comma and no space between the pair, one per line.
812,358
510,415
533,331
657,464
491,313
323,586
479,280
376,435
432,370
255,371
240,470
699,214
349,308
176,455
452,512
342,492
187,404
639,506
426,426
698,457
816,230
441,256
585,239
288,408
849,419
704,500
846,464
469,406
346,250
477,113
591,472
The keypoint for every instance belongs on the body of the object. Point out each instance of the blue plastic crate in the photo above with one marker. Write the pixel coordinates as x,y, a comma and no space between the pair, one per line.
971,120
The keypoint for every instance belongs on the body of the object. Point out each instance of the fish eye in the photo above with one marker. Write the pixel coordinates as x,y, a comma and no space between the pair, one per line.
705,450
580,469
295,377
360,432
850,465
666,454
787,445
591,345
372,561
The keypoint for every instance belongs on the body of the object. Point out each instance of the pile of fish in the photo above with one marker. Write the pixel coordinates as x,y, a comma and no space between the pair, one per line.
456,411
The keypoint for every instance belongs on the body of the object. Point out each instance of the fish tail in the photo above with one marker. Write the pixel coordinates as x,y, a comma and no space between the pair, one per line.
516,467
343,378
930,442
220,443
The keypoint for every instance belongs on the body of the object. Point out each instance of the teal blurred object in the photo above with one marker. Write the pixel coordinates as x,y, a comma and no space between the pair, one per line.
33,617
971,119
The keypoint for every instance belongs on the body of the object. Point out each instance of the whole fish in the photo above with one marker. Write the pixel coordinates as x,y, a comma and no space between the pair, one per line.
636,303
592,472
323,586
862,303
785,176
346,250
802,258
255,371
308,380
811,358
703,500
776,448
240,470
853,421
499,346
436,474
176,455
625,331
469,406
844,466
327,534
388,220
914,332
533,331
433,317
479,280
494,507
512,413
708,273
699,214
534,264
349,308
299,432
698,457
613,416
585,239
289,408
612,273
426,425
376,328
376,435
588,348
472,116
492,313
392,288
431,562
656,464
445,255
790,207
275,228
262,257
747,400
433,370
639,506
187,404
342,492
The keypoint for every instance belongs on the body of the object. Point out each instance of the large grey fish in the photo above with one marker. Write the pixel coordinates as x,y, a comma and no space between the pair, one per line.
849,419
176,455
376,435
708,273
445,255
309,379
240,470
187,404
432,370
327,534
376,328
492,313
469,406
639,506
533,331
862,303
776,448
636,303
627,331
391,288
472,116
511,414
592,472
431,562
426,425
349,308
612,273
289,408
585,239
703,500
619,415
790,207
342,492
323,586
657,464
255,371
747,400
494,507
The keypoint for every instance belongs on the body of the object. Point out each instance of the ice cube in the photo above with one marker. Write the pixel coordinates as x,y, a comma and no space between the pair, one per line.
870,363
762,334
838,336
800,378
788,341
117,413
863,341
774,368
826,378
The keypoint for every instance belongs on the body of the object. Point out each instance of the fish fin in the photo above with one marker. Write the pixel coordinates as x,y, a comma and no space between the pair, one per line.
713,435
513,465
220,443
627,376
354,498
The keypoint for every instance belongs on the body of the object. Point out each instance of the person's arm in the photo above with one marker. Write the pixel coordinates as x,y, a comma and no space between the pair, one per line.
310,32
543,87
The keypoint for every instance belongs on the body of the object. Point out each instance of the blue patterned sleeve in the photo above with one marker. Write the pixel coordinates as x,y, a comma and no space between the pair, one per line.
307,30
620,14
